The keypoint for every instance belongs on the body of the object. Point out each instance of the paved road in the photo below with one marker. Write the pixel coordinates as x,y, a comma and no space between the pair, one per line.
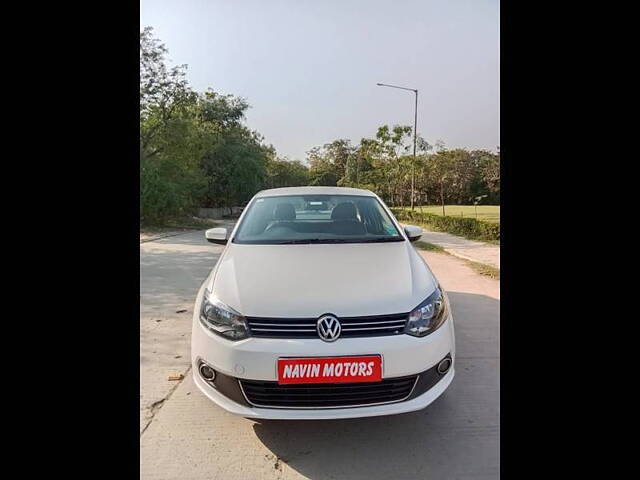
467,249
184,435
171,270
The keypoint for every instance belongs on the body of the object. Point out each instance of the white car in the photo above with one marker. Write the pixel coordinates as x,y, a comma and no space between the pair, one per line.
319,307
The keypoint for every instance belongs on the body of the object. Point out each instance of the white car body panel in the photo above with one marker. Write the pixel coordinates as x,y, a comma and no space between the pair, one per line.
299,281
308,280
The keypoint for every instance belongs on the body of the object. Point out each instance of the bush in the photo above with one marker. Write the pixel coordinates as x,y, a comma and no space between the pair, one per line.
167,191
466,227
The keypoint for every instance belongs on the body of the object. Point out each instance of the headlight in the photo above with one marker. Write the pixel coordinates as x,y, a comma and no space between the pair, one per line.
428,316
222,319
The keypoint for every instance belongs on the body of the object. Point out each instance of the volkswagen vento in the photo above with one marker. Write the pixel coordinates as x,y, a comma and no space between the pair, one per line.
319,307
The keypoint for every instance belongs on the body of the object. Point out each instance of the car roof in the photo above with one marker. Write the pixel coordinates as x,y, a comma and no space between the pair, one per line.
275,192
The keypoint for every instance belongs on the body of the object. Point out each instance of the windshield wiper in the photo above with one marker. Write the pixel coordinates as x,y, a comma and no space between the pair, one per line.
291,242
382,239
312,240
303,241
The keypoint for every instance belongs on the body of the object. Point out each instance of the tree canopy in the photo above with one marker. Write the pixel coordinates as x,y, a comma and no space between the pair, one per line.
383,164
196,151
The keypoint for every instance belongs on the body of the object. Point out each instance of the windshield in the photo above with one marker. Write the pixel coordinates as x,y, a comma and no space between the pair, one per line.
316,219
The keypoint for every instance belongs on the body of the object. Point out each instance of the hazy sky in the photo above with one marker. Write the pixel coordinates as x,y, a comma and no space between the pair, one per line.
309,68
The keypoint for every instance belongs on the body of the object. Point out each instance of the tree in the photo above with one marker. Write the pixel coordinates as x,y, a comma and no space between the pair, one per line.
387,161
285,173
322,173
164,93
168,167
451,170
194,148
328,164
234,168
235,160
490,172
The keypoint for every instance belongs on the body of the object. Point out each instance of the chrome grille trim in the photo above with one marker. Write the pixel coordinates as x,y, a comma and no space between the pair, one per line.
345,329
280,330
367,326
376,323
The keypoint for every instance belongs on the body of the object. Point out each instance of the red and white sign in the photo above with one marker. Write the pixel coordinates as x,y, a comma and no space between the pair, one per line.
330,369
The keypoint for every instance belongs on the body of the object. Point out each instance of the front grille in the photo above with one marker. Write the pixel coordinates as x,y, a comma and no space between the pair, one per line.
372,326
327,395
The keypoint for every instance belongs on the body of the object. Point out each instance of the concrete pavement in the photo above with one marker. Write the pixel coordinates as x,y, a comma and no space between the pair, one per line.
184,435
463,248
172,268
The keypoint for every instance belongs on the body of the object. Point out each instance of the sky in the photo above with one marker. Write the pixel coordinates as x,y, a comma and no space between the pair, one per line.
309,68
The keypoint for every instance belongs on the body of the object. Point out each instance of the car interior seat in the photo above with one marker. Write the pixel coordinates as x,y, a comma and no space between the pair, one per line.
345,220
284,214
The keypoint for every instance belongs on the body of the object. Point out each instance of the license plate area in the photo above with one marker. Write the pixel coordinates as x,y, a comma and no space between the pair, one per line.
360,368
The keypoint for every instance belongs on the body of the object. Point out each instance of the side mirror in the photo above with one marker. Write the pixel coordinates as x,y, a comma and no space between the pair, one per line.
216,235
414,233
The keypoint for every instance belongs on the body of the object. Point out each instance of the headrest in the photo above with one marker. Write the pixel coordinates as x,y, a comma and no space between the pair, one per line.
344,211
284,211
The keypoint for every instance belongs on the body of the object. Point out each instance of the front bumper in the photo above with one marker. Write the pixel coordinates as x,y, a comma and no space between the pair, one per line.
256,359
418,403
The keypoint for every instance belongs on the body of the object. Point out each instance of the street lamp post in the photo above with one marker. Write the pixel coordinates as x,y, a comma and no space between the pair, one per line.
415,130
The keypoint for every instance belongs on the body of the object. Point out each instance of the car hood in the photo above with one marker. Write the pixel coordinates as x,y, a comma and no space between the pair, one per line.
310,280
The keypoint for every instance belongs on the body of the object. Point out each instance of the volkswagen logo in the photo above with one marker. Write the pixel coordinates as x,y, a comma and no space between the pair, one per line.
329,328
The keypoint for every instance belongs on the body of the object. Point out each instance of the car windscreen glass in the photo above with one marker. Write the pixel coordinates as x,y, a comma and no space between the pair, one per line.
298,219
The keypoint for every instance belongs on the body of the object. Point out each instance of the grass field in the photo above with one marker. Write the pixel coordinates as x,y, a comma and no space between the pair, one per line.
488,213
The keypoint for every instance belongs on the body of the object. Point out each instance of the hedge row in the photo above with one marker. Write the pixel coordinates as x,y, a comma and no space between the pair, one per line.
466,227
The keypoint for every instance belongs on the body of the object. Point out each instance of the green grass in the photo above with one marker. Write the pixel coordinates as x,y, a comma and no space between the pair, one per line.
477,267
429,246
487,213
483,269
428,226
